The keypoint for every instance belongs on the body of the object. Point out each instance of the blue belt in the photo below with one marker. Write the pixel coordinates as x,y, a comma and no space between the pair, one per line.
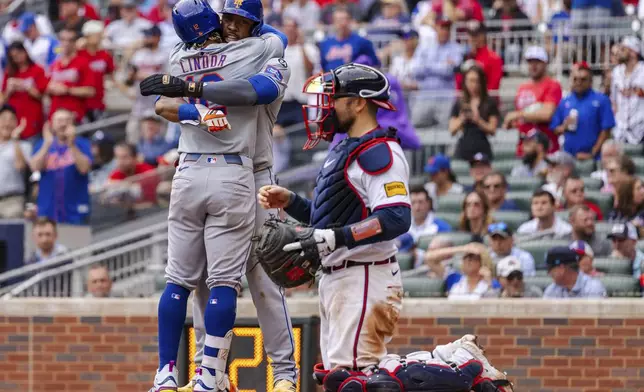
231,159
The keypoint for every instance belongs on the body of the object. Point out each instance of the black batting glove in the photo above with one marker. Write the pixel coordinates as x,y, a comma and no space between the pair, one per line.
170,86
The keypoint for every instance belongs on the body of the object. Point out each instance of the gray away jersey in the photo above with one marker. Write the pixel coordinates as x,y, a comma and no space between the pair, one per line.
235,60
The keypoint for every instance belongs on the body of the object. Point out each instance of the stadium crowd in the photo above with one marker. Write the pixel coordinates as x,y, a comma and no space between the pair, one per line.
575,166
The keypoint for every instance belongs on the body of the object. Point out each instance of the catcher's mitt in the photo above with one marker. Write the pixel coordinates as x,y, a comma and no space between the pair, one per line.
287,268
169,86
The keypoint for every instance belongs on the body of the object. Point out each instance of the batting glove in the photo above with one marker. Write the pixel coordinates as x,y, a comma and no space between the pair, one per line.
214,119
325,240
170,86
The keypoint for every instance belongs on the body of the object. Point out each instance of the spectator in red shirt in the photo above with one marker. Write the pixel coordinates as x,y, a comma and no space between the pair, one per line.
536,100
101,65
143,188
456,10
88,11
23,85
486,58
71,80
157,13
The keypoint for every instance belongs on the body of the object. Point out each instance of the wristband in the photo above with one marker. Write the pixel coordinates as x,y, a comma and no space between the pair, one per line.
188,111
193,89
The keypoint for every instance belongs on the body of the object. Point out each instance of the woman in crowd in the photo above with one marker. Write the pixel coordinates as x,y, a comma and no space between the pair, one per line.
476,216
23,85
629,203
475,116
476,278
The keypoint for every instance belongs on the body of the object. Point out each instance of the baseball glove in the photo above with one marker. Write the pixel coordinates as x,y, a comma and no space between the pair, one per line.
170,86
287,268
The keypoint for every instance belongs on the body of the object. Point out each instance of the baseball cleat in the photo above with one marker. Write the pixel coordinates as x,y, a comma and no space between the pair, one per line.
204,381
284,386
166,379
471,346
187,388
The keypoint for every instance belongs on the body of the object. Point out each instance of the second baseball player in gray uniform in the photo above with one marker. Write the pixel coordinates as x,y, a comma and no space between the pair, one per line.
269,300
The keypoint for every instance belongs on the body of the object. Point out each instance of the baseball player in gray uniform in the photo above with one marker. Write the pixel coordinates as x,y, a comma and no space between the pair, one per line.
234,64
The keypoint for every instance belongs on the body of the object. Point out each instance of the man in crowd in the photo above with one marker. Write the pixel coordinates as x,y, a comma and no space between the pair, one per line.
103,162
45,237
147,60
495,187
152,144
510,274
567,281
41,48
423,220
582,220
71,79
143,188
70,16
586,258
480,166
64,161
627,93
305,14
442,178
487,59
346,45
584,117
535,148
624,238
536,100
99,283
545,223
13,163
455,11
610,150
574,194
435,79
502,246
561,166
127,31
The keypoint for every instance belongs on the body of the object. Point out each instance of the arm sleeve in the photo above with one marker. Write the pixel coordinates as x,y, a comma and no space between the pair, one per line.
260,89
383,225
299,208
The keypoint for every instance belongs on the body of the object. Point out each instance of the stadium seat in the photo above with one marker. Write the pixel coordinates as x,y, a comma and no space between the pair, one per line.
603,228
518,184
420,179
514,219
603,200
639,164
621,286
538,250
584,168
592,184
450,203
632,150
522,199
541,273
505,166
467,182
504,151
458,237
405,260
423,241
540,281
452,218
640,245
423,287
460,168
563,214
613,266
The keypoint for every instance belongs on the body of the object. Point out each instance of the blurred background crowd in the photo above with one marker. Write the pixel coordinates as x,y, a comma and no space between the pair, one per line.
522,120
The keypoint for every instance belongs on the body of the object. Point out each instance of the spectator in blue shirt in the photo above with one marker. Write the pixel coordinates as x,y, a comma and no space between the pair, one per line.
560,23
64,161
346,45
591,14
584,116
153,143
495,187
568,281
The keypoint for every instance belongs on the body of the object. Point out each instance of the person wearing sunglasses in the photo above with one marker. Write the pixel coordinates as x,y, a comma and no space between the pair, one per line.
502,246
624,237
585,117
510,275
495,187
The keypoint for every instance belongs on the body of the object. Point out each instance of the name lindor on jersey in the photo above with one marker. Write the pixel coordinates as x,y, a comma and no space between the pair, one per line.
203,62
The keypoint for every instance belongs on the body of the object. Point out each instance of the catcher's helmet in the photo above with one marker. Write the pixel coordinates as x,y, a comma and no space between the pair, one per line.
194,21
249,9
348,80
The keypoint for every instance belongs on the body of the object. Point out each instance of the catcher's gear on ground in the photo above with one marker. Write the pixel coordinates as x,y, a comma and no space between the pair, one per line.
170,86
287,268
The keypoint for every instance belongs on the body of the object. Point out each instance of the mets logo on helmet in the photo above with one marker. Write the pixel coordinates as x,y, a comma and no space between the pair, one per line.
195,26
238,3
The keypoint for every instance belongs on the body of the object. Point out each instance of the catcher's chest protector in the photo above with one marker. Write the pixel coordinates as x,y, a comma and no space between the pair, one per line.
335,203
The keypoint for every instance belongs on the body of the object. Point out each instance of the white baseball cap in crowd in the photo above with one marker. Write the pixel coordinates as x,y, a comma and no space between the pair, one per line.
507,265
536,53
92,27
633,43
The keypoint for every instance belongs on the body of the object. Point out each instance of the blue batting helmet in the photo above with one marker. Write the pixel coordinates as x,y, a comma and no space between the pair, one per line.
249,9
194,20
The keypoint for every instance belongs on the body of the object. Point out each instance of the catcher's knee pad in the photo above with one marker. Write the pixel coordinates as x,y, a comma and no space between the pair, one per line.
343,380
423,377
383,381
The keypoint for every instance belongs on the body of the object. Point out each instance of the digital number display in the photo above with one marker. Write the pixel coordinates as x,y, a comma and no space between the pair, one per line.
248,364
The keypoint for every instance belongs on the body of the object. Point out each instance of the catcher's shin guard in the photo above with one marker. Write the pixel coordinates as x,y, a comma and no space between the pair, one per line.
487,385
423,377
343,380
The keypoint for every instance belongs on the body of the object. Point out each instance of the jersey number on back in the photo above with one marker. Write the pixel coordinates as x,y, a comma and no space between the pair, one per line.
211,77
